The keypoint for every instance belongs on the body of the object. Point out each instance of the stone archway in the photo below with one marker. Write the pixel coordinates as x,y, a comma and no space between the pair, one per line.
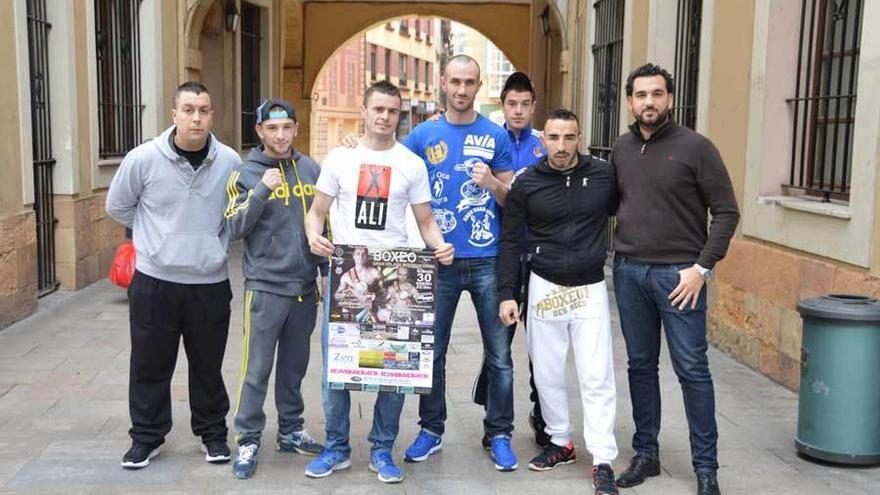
313,31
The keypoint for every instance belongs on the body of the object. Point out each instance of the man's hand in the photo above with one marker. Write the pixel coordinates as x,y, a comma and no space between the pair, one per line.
350,140
272,178
690,282
508,311
444,253
483,176
320,245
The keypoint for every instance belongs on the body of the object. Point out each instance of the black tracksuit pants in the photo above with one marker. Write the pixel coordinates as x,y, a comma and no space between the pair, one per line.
160,313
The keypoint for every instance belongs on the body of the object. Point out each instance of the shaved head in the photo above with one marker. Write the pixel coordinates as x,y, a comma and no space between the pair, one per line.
464,60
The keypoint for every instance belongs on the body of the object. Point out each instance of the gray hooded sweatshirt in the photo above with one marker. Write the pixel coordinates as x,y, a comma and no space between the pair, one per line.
176,212
277,257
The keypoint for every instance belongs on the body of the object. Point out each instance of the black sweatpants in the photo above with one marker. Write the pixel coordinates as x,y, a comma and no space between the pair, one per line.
160,313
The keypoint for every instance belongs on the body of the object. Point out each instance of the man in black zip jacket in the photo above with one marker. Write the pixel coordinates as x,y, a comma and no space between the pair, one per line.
668,177
564,202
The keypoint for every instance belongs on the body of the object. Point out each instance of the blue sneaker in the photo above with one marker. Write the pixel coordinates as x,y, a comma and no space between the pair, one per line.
383,464
502,453
424,445
326,463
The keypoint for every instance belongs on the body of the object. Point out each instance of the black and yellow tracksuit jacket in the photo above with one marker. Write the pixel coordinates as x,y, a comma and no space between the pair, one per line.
277,258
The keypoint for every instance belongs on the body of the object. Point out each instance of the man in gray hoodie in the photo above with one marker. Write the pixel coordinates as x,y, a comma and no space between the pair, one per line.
170,191
269,197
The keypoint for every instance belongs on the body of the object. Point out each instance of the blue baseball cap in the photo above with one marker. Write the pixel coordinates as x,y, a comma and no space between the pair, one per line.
275,108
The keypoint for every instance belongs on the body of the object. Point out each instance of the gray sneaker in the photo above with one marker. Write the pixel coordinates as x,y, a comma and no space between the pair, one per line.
299,442
246,462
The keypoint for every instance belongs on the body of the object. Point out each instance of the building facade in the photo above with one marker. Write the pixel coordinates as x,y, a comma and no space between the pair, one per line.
403,51
92,79
782,88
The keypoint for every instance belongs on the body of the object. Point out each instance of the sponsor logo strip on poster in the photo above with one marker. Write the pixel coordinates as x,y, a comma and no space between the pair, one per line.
381,319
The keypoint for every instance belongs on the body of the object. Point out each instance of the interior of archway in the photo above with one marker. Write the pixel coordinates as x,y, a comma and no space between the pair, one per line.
337,93
313,31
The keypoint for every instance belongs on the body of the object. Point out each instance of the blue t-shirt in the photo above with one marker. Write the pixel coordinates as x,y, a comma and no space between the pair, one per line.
466,213
528,149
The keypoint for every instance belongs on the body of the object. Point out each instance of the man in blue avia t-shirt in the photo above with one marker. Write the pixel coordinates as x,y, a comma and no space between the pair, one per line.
469,167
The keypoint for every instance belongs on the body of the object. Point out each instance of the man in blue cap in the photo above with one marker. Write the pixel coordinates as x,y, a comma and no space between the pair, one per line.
269,196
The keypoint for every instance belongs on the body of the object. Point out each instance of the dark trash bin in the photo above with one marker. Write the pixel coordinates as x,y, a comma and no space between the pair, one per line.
839,402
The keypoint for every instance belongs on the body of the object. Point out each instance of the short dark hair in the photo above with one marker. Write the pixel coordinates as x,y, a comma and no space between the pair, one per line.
188,87
563,114
649,70
461,57
384,87
518,81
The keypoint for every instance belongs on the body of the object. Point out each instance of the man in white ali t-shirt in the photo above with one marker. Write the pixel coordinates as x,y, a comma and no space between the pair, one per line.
367,191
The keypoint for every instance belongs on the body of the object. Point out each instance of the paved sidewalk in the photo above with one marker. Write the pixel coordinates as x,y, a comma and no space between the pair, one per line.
64,421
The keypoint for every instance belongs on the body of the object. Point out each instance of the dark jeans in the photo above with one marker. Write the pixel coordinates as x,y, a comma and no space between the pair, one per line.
477,276
481,388
160,313
642,292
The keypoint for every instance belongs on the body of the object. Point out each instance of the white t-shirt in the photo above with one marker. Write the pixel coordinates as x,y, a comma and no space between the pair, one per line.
373,191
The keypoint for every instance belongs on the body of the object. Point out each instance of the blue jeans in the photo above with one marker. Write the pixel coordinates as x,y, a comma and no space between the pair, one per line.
642,292
477,276
337,406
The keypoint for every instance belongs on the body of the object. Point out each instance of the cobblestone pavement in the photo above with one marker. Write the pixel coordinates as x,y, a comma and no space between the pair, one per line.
64,421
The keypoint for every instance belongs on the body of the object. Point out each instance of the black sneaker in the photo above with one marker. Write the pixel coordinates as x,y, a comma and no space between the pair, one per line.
138,456
542,439
707,484
553,456
216,451
639,468
246,462
603,480
487,442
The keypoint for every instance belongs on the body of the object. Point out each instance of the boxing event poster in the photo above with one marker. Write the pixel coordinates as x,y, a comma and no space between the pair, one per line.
381,319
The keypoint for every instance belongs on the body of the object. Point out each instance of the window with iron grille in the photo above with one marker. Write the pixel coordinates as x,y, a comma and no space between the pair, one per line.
41,135
251,36
824,99
404,27
402,66
117,44
607,53
687,61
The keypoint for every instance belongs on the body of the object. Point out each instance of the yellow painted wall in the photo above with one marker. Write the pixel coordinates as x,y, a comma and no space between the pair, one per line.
729,86
10,137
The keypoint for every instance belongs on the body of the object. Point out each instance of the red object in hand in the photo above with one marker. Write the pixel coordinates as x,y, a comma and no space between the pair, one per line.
122,269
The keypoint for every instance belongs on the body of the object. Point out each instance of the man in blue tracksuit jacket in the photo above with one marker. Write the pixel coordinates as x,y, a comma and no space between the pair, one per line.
518,105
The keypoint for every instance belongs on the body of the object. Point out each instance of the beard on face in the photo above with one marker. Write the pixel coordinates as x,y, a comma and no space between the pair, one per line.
662,115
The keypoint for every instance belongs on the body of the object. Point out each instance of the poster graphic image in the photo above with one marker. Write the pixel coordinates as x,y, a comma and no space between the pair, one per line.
381,319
